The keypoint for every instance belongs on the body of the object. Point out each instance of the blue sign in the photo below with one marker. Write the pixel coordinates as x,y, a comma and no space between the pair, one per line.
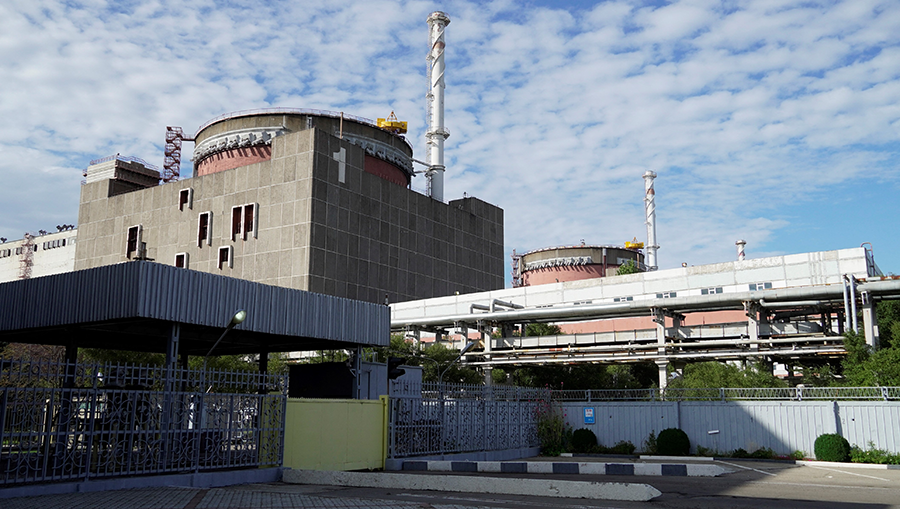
588,415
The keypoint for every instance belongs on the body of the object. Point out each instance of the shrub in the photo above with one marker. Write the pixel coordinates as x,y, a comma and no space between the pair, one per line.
873,455
650,446
673,442
740,453
583,440
623,447
763,454
553,431
832,447
798,455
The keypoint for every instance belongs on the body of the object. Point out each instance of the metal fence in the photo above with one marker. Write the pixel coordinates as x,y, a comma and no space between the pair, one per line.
432,419
722,394
76,422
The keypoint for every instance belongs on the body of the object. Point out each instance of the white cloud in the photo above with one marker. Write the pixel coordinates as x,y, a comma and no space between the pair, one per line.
743,107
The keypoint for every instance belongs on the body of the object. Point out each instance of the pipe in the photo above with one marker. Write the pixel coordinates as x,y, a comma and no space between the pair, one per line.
854,318
650,210
846,303
765,304
481,307
436,133
498,302
653,356
641,307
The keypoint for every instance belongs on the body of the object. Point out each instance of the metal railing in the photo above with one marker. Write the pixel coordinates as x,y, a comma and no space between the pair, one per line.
77,422
433,419
728,394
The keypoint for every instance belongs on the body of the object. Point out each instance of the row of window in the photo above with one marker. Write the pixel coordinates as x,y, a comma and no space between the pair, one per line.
51,244
244,225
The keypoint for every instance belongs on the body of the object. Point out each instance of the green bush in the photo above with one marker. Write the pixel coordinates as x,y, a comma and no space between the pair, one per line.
832,447
740,453
763,454
873,455
650,446
583,440
673,442
623,447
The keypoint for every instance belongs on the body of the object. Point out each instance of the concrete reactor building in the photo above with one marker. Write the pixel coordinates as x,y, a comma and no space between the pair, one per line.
302,199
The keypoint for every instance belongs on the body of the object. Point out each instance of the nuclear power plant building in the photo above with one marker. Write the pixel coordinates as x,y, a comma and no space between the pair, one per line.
302,199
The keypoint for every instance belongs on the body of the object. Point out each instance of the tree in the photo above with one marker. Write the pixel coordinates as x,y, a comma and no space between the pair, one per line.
715,374
629,267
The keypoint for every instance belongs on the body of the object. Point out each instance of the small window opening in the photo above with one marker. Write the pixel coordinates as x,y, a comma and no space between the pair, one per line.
181,260
243,221
186,198
204,229
225,258
134,241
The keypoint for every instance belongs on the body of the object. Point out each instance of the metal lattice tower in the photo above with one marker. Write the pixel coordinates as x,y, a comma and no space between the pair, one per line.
27,257
172,161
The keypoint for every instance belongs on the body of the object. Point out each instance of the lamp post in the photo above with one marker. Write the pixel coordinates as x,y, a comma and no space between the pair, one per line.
462,352
238,317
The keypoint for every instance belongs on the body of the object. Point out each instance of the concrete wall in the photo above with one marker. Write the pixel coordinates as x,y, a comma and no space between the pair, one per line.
359,236
49,257
335,434
783,426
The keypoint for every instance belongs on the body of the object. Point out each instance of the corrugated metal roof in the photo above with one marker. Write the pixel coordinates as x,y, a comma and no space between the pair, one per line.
108,306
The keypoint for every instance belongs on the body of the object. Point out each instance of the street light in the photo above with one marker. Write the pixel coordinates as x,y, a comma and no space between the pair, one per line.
462,352
239,316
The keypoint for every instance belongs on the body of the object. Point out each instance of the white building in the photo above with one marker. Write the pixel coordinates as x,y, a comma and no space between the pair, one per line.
37,255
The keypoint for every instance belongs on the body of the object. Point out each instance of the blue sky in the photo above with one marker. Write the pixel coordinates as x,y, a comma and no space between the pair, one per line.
772,121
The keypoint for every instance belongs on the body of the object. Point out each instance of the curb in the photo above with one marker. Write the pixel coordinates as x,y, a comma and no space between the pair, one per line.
470,484
566,467
835,464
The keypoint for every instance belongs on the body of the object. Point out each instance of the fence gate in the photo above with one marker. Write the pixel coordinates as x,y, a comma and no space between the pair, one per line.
432,419
65,422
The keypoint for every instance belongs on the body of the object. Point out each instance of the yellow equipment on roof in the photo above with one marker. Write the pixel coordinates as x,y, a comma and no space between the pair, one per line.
634,244
392,124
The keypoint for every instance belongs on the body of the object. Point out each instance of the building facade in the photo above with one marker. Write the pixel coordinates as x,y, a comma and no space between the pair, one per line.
315,202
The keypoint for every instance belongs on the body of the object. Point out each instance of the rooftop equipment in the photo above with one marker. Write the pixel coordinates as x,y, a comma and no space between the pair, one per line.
392,124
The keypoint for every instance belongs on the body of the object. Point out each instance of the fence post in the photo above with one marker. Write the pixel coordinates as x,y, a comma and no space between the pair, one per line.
722,393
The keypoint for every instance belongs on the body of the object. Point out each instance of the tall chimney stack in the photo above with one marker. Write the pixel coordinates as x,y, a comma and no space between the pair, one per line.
650,208
436,133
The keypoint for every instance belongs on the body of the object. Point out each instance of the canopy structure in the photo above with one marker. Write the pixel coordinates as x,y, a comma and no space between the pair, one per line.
150,307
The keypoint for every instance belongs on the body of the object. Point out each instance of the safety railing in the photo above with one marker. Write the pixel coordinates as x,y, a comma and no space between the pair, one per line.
65,422
731,394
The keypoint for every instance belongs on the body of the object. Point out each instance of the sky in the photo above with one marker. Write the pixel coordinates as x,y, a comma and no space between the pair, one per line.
772,121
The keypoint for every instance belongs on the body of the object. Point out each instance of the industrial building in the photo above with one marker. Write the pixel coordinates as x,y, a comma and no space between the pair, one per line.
42,254
301,199
792,308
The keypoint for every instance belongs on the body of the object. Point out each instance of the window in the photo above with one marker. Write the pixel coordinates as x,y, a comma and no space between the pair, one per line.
186,198
204,229
710,291
623,299
5,253
243,221
225,258
134,241
666,295
181,260
760,286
